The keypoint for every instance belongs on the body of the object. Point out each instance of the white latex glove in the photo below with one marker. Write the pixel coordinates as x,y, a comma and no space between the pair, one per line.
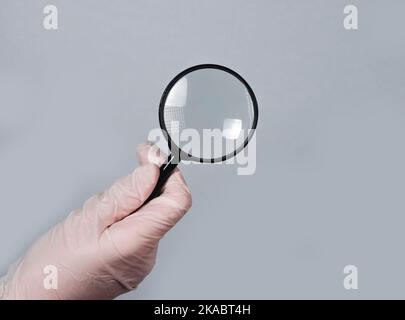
102,250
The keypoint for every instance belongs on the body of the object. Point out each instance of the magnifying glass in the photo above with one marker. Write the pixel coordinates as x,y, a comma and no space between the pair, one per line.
208,114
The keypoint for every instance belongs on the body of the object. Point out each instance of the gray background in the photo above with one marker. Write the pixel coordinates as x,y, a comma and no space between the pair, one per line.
329,186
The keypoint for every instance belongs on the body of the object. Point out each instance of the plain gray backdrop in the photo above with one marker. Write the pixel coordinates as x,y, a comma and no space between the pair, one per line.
329,185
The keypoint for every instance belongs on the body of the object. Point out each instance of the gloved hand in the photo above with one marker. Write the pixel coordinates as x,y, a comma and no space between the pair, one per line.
102,250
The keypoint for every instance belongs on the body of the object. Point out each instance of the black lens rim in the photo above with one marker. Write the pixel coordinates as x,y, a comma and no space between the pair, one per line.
189,157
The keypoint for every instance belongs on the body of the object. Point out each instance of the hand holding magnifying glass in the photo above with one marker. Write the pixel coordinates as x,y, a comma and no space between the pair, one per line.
102,250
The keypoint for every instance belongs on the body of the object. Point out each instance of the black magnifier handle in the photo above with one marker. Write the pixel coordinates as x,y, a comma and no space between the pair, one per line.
165,171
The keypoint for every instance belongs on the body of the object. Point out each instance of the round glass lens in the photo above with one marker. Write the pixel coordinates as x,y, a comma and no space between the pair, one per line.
208,113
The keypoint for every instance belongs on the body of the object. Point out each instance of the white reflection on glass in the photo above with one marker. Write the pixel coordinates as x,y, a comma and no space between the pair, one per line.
232,128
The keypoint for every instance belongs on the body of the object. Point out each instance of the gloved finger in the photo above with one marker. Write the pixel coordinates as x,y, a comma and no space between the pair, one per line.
143,230
176,196
123,197
175,189
158,216
150,153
